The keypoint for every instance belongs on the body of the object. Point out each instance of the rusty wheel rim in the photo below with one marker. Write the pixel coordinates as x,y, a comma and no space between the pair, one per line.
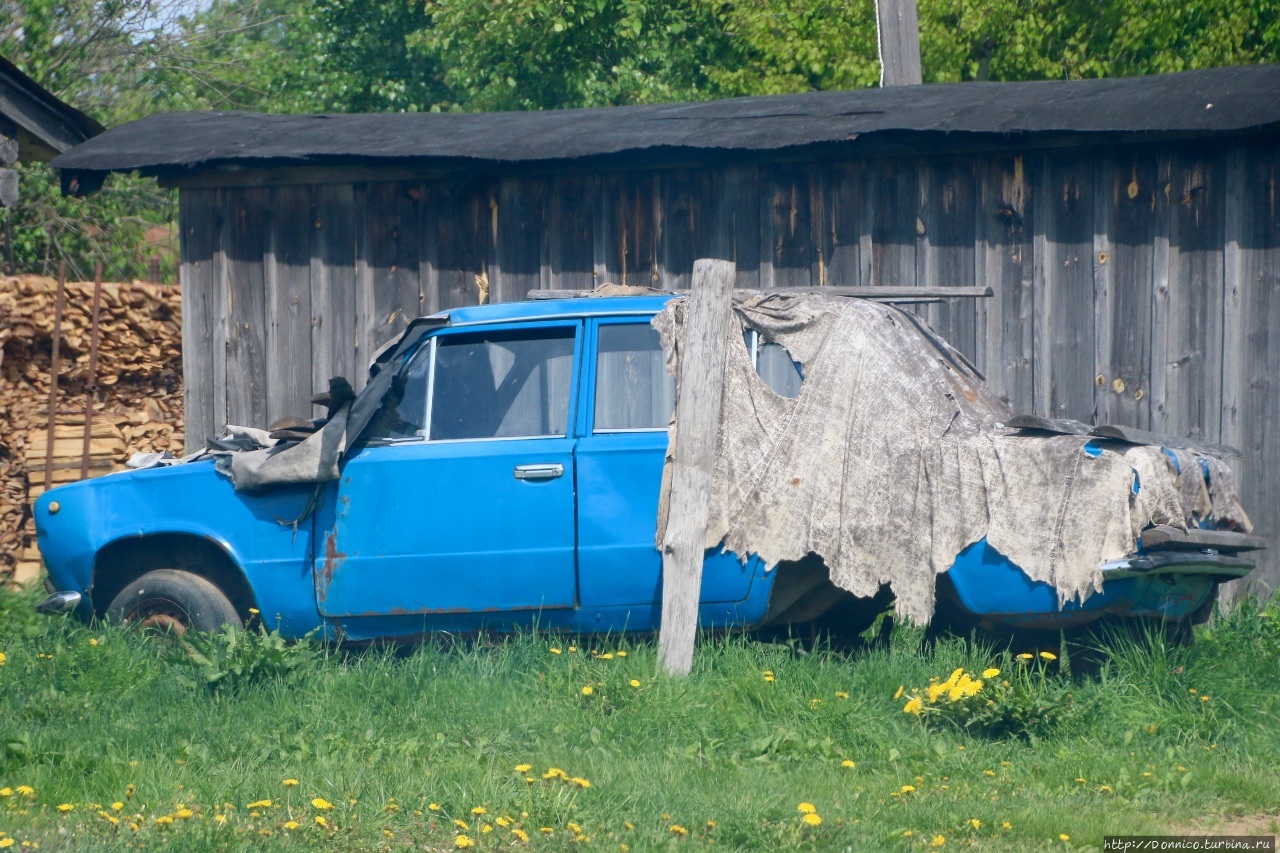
162,616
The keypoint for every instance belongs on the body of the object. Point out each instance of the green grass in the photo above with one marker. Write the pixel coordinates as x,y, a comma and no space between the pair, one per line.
93,716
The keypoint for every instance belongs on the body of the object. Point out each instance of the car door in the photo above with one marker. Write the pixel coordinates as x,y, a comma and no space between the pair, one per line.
620,457
461,497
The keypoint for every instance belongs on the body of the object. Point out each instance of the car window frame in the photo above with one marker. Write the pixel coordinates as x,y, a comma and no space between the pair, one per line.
586,427
431,342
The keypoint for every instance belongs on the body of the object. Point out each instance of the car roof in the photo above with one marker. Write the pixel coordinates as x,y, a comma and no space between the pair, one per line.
545,309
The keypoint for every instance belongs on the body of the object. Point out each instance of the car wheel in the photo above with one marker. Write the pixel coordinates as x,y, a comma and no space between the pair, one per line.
173,600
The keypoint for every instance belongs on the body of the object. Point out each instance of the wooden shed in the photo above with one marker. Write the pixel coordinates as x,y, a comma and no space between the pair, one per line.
1128,228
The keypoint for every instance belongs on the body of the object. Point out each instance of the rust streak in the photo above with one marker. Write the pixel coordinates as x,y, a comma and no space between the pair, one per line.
333,558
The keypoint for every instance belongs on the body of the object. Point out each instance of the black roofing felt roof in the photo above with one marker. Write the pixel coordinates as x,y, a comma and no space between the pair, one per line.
44,121
1211,101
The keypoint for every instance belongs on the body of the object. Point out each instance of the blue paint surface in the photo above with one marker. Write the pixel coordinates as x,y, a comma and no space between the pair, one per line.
420,536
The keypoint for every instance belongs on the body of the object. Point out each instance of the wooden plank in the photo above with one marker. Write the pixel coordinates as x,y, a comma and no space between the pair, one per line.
898,31
1064,337
333,288
1005,227
518,238
570,240
245,239
840,242
698,404
628,222
945,247
1160,283
288,299
892,204
736,223
687,205
786,230
1255,232
1125,233
1193,385
199,222
461,219
389,262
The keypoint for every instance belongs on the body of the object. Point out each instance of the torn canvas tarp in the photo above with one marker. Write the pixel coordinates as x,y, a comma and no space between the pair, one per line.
895,457
314,460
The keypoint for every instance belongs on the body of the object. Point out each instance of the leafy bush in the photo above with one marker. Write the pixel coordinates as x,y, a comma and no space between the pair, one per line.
1019,699
234,658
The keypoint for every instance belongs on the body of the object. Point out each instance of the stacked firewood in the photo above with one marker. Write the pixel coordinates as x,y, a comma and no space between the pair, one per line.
137,405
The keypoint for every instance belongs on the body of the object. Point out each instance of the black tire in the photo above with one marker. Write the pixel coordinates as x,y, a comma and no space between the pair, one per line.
173,600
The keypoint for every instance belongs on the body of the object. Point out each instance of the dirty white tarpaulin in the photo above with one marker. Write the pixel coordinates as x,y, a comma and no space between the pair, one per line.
894,457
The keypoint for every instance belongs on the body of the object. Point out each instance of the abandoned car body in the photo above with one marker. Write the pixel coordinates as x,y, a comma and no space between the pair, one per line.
504,466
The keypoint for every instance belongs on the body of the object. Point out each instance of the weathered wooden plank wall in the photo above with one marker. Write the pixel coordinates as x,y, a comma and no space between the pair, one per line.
1133,285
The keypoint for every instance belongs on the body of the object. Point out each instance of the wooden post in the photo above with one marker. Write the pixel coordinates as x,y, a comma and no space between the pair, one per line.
697,421
898,28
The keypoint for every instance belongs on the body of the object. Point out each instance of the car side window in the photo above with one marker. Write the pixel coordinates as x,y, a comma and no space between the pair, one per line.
474,386
502,385
633,390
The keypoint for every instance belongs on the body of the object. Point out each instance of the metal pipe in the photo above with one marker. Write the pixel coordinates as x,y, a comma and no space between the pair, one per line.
55,366
91,386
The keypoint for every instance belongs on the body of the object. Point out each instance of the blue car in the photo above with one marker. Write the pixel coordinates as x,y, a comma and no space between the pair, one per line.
506,472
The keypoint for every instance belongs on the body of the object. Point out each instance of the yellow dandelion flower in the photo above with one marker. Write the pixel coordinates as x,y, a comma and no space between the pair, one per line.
587,690
253,611
907,789
711,824
635,682
677,829
93,641
6,792
975,823
1204,698
318,802
622,654
606,656
65,807
1106,789
907,833
992,672
555,773
435,807
848,762
1064,837
486,828
115,807
629,825
840,694
988,772
503,821
164,820
291,783
898,693
25,790
1004,824
184,814
554,650
523,768
769,679
806,808
938,841
546,830
3,658
580,782
1080,779
521,834
574,827
767,673
320,821
259,804
1025,656
811,819
291,824
478,810
7,842
913,706
1049,656
573,650
461,824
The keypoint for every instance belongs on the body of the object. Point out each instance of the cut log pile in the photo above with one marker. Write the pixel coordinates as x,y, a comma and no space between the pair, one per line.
137,405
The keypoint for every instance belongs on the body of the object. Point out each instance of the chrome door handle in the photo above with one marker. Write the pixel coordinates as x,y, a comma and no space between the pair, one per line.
539,472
